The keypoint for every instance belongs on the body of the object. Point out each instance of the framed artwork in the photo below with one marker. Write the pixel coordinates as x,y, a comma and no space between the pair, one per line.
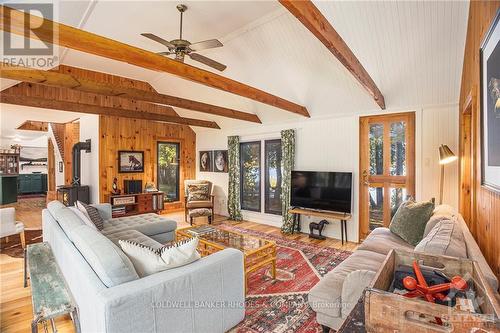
206,161
490,107
220,160
130,161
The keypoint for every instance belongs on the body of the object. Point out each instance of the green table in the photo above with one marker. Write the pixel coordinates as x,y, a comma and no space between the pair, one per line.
49,293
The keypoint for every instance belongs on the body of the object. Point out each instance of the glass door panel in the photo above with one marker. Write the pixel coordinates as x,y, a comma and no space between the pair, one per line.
398,148
376,204
168,170
376,149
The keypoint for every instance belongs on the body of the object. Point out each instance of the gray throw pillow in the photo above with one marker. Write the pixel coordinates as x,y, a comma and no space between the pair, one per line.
445,238
410,220
92,213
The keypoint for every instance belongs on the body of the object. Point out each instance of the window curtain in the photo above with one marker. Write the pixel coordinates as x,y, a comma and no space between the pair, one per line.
287,164
233,200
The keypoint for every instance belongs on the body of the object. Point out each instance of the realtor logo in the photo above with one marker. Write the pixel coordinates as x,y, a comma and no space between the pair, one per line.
29,37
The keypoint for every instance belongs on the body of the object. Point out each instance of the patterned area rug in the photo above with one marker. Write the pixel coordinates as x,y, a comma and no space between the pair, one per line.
280,305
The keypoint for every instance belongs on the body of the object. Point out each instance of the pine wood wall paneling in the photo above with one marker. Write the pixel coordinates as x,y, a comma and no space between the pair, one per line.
133,134
71,136
51,166
485,215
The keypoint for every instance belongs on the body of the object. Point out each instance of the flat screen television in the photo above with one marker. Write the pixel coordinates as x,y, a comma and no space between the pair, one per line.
329,191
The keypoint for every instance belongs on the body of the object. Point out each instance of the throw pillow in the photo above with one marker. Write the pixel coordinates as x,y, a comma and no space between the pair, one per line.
147,260
198,192
410,220
445,238
92,213
83,217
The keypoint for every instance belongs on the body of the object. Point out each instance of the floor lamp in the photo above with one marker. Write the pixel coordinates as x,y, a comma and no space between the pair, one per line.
446,156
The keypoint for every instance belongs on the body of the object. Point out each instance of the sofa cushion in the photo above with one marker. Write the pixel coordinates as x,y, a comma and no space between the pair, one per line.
134,236
410,220
382,240
67,219
83,217
148,224
325,297
110,264
148,261
446,238
441,212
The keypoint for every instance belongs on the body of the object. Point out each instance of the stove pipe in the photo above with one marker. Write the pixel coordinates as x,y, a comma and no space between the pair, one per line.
77,148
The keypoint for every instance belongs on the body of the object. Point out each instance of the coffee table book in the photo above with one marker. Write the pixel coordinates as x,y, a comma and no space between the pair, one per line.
389,312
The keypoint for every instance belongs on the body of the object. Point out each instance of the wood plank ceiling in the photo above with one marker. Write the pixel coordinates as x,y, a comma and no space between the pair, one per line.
310,16
13,21
401,45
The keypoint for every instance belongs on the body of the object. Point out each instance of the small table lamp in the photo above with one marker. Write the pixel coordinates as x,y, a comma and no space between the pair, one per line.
445,156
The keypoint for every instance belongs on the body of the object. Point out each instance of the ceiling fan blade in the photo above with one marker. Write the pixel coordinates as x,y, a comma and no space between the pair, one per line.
164,53
207,44
159,40
207,61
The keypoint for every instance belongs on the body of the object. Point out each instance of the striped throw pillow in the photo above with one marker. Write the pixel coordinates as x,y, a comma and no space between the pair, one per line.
92,214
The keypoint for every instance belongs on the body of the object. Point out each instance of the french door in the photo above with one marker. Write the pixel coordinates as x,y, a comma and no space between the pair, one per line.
387,167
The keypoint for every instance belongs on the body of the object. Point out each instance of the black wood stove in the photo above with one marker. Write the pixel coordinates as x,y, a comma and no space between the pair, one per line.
69,194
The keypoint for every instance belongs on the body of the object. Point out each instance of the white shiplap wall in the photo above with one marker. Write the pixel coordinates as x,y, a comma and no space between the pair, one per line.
332,144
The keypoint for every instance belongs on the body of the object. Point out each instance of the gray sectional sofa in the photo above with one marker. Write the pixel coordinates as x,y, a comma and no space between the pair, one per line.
335,295
204,296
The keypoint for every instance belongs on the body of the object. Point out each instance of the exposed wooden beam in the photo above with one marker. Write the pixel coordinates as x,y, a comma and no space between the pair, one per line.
14,21
34,125
310,16
62,80
100,110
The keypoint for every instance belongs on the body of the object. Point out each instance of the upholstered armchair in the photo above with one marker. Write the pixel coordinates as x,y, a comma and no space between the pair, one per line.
192,200
9,226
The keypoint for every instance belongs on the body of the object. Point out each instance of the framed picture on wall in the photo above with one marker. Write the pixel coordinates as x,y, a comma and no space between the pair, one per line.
130,161
206,161
220,160
490,107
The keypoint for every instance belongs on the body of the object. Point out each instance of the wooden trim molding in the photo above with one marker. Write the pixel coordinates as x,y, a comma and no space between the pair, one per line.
14,21
310,16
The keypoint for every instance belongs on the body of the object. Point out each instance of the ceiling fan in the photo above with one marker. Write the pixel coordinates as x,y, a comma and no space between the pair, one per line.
181,47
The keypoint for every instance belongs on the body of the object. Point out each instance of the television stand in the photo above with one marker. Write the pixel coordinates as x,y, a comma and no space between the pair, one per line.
343,217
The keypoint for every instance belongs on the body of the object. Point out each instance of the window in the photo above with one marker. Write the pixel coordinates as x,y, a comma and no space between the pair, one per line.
252,187
168,170
272,157
250,175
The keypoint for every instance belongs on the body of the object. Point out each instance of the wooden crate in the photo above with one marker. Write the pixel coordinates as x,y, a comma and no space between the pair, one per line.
389,312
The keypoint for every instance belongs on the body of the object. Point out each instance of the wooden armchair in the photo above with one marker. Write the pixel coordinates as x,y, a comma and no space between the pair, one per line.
194,204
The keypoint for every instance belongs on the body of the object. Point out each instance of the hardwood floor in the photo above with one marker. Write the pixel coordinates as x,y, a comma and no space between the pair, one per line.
15,300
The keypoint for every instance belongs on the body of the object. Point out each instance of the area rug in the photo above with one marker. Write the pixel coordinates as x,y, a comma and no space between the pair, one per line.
280,305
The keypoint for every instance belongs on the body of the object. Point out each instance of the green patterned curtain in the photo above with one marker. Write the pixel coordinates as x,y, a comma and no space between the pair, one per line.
233,200
287,163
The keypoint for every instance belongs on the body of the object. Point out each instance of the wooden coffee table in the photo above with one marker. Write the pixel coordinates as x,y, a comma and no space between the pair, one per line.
257,252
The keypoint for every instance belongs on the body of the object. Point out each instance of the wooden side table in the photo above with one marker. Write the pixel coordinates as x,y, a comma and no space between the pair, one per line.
49,293
343,217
